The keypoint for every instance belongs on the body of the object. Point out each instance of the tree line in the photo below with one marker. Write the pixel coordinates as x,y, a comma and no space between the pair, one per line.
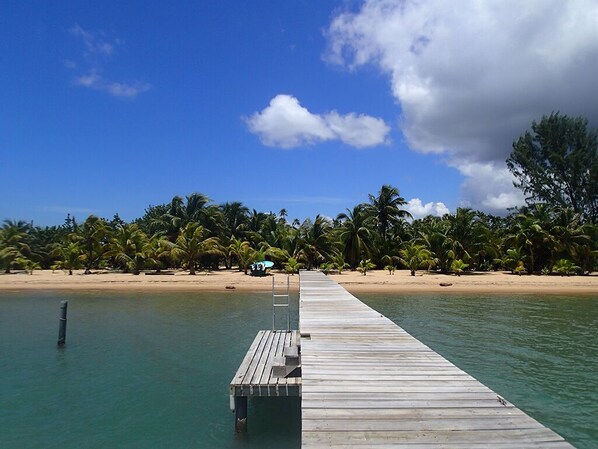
555,164
195,234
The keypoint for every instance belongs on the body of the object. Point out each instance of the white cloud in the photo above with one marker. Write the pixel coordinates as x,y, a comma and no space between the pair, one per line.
95,81
98,51
471,78
489,186
359,131
94,44
285,123
419,210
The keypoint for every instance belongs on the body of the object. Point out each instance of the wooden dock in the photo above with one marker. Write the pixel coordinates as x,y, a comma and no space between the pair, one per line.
368,383
265,372
255,375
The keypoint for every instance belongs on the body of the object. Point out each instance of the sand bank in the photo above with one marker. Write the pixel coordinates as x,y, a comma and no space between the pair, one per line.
375,281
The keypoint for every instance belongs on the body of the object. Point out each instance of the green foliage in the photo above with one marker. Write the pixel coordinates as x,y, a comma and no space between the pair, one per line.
338,262
243,253
92,238
315,242
131,248
390,268
385,209
292,266
14,248
458,266
565,267
514,258
327,268
519,269
69,256
356,235
365,266
414,256
191,245
196,234
557,163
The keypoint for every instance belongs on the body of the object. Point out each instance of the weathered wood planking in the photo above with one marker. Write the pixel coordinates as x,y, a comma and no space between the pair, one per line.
254,376
368,383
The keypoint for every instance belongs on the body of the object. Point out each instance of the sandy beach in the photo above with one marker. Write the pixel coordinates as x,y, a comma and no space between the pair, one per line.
374,281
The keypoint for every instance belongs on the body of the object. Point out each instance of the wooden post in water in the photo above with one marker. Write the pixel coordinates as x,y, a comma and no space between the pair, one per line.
241,414
62,326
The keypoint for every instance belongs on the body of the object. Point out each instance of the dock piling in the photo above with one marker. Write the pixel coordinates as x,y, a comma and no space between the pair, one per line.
62,323
241,414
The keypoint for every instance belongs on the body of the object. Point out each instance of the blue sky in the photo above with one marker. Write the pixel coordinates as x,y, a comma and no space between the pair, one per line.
111,106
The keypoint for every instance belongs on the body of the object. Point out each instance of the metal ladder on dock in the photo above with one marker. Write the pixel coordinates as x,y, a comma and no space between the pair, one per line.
281,300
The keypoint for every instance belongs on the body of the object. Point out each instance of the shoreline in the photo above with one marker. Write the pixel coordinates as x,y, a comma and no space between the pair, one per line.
376,281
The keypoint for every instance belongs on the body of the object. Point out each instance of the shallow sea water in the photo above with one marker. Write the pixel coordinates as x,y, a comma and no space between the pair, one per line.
152,370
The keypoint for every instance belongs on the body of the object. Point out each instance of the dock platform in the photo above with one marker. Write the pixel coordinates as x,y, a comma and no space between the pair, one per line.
366,382
265,372
255,375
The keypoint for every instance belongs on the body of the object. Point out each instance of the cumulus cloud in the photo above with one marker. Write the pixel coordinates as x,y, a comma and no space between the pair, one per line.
419,210
98,50
285,123
489,186
470,79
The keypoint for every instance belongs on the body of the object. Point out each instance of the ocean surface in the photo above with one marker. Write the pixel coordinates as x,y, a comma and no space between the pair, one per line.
143,370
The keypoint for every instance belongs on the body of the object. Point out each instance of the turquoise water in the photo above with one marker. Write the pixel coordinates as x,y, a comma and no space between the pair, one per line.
541,353
138,371
152,370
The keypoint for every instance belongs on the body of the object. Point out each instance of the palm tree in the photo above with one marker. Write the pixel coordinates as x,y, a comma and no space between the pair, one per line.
292,266
338,262
434,236
191,246
571,238
355,236
235,217
414,256
282,215
528,233
130,248
69,255
365,266
586,254
159,250
181,212
243,252
385,209
565,267
514,258
467,233
13,243
315,241
458,266
92,238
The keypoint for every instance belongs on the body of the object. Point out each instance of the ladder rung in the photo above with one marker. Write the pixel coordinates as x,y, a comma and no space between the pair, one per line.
280,296
280,305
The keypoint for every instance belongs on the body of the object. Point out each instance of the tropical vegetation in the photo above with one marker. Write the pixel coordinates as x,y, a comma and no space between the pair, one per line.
534,239
555,164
